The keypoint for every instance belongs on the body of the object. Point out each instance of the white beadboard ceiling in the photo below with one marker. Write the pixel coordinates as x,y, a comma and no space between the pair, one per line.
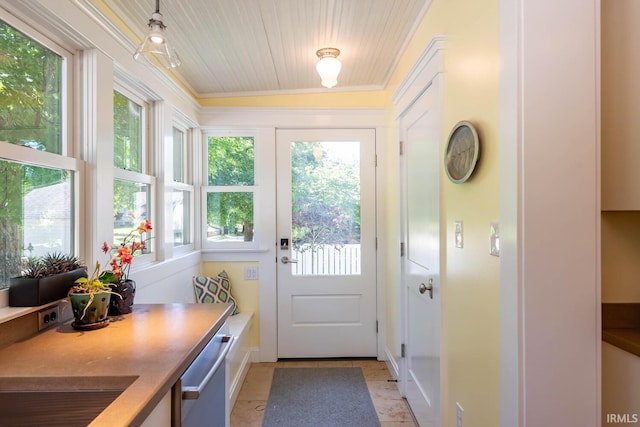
245,47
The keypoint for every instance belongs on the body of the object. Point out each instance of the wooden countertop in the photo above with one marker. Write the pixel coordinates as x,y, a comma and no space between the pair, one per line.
626,339
155,343
621,326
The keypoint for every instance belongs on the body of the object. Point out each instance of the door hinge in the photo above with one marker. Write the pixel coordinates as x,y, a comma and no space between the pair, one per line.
401,350
376,162
401,148
401,249
376,243
376,326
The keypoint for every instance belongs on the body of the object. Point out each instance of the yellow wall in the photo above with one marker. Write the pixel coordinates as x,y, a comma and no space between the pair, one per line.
245,292
368,99
470,276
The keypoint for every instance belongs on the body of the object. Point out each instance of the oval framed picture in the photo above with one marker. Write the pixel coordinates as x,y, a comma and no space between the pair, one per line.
461,154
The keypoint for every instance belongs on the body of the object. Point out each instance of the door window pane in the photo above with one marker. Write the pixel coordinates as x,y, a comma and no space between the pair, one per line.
131,202
230,217
325,191
127,133
36,214
30,92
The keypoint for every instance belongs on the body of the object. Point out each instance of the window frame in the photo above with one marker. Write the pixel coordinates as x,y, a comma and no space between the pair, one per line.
146,175
206,189
68,158
187,185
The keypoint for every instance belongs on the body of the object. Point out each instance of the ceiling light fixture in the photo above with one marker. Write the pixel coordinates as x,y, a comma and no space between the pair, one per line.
328,66
155,44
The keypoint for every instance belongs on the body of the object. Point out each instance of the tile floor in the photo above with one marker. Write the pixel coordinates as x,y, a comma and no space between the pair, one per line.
392,409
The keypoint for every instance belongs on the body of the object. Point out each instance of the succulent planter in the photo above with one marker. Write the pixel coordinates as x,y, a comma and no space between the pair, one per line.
30,292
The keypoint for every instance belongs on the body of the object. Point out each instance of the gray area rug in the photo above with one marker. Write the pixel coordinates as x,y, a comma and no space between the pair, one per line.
319,397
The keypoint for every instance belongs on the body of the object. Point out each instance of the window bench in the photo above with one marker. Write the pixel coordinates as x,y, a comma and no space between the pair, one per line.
239,357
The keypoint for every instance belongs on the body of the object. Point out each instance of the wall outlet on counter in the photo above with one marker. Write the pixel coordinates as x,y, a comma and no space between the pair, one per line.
48,317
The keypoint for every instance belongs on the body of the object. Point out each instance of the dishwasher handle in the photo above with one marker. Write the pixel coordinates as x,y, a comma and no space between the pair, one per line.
193,392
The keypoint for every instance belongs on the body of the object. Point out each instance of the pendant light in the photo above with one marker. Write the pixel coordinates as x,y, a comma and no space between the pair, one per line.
328,66
155,44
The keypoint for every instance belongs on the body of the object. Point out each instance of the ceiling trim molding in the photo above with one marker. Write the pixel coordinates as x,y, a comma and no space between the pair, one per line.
370,88
254,117
427,67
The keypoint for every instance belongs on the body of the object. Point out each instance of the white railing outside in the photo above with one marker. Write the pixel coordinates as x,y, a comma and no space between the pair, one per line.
327,260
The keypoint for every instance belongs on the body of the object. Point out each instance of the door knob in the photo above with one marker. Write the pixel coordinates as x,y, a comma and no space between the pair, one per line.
286,260
424,288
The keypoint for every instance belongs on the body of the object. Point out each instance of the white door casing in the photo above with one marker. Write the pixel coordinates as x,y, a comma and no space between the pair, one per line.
326,314
420,131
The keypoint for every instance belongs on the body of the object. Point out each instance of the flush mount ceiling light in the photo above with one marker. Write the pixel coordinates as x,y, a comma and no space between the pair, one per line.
155,44
328,66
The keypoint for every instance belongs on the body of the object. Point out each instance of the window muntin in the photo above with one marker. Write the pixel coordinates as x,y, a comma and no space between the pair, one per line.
230,195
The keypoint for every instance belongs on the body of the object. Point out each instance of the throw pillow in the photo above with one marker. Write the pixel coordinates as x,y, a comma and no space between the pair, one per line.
214,289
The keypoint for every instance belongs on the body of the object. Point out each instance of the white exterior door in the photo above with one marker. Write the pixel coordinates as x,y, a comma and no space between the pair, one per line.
326,243
420,127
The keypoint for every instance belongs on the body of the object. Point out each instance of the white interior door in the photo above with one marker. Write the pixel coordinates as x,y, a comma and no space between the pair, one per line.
326,243
420,126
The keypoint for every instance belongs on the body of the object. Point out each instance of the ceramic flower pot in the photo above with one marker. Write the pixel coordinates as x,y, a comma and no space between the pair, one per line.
90,314
127,290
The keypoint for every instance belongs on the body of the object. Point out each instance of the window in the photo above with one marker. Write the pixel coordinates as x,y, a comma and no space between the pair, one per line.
132,186
230,190
182,194
36,189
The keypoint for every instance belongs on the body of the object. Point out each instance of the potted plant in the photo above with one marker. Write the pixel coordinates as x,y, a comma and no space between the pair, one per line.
122,256
45,279
90,297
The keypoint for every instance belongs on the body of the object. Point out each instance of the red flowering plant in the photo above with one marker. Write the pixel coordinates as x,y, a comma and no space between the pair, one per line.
122,255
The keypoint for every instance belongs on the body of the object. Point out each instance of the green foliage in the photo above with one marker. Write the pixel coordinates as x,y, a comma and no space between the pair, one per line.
30,82
326,197
50,264
127,133
30,115
231,163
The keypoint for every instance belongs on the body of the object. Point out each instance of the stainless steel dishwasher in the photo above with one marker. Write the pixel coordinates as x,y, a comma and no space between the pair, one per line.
204,391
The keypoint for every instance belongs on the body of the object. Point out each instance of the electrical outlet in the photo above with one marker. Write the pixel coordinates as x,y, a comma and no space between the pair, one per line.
251,273
459,414
48,317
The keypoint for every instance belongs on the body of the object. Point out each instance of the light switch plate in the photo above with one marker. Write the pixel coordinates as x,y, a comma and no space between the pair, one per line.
458,234
494,237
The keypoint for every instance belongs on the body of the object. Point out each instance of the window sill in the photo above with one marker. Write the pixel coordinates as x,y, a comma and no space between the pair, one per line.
9,313
242,251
